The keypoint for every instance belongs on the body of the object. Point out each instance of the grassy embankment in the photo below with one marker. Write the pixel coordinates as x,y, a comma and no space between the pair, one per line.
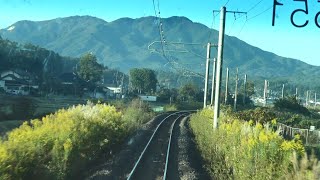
249,150
61,145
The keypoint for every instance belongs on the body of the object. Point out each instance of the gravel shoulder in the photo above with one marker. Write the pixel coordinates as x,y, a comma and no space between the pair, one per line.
190,162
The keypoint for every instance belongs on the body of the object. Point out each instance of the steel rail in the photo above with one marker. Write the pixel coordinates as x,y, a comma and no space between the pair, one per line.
169,146
146,147
151,138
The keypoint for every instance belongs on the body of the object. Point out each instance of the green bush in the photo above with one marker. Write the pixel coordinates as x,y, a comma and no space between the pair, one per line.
170,107
192,105
260,114
291,103
61,144
136,114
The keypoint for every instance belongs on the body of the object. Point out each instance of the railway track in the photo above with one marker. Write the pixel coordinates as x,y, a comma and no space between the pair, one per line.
154,160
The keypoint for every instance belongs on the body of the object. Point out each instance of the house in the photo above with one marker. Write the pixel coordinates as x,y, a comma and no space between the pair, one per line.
99,92
17,82
114,92
69,83
68,78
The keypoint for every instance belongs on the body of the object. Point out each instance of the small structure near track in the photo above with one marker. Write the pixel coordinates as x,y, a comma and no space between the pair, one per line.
148,98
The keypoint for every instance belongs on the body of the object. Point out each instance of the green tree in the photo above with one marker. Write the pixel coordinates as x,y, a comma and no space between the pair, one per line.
188,92
164,95
249,89
143,80
89,69
292,104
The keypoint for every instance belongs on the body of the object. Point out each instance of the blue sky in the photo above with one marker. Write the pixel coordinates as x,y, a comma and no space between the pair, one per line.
256,29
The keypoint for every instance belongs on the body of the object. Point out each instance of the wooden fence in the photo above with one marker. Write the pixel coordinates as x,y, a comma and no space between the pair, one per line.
309,137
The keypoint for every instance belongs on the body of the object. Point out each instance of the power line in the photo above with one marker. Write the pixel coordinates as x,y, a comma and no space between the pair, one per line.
212,26
164,46
226,3
161,32
243,26
234,21
154,8
260,13
248,19
254,6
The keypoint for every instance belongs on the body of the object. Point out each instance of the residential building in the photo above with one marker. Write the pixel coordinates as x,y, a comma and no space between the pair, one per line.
17,82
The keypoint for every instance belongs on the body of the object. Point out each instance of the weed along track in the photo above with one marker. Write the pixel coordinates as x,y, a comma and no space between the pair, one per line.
154,160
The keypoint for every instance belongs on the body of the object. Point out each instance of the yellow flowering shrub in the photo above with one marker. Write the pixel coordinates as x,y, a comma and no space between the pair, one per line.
243,150
60,144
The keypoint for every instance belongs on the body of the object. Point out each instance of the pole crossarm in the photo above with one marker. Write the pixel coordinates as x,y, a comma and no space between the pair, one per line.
236,12
233,12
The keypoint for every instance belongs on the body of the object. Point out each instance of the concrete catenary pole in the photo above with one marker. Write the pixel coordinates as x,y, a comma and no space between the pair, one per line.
219,68
244,89
315,100
307,98
213,80
207,77
236,92
226,91
265,93
282,91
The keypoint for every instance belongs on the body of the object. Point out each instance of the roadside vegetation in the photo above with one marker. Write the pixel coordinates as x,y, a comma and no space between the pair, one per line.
61,145
250,150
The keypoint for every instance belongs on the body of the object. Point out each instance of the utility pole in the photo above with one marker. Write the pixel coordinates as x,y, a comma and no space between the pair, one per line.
307,98
236,92
219,68
207,77
226,92
216,113
244,89
213,80
265,93
315,99
282,94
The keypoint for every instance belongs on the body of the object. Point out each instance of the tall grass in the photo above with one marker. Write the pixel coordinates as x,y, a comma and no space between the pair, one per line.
245,150
62,144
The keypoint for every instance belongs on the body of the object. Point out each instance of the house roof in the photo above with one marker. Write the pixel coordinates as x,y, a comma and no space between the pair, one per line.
19,72
14,78
16,82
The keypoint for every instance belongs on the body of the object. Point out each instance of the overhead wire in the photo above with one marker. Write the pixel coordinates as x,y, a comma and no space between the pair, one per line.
254,6
158,23
164,46
212,26
243,26
226,3
234,21
249,10
260,13
248,19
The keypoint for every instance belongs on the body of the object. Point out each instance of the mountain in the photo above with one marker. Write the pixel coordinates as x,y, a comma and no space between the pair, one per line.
123,44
